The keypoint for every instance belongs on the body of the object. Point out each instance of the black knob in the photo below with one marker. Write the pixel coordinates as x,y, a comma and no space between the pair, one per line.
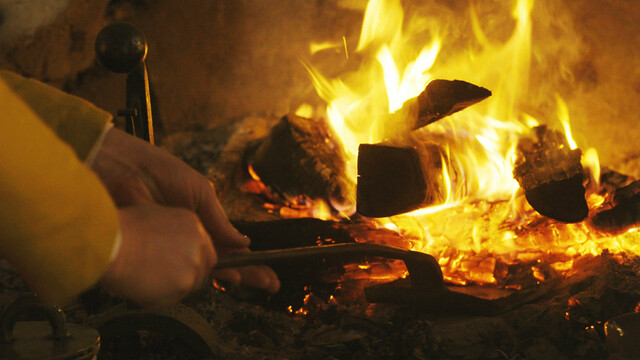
120,47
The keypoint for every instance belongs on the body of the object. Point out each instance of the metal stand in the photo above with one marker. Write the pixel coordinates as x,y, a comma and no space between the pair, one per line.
122,48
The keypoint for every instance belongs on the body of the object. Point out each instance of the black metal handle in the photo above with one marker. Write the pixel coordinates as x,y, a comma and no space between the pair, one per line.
121,47
424,269
29,306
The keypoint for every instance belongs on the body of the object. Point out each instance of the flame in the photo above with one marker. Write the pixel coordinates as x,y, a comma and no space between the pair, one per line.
563,114
298,207
305,111
481,220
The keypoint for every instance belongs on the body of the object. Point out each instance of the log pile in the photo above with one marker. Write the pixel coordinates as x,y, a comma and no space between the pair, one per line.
397,179
303,157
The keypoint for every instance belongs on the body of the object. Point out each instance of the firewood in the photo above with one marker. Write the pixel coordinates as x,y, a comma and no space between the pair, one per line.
442,98
620,218
626,193
391,180
551,175
303,157
625,213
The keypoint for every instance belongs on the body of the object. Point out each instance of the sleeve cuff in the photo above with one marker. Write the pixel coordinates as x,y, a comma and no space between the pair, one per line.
117,243
96,146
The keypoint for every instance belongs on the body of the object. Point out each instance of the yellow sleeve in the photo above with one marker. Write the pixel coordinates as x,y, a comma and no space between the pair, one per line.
58,224
75,121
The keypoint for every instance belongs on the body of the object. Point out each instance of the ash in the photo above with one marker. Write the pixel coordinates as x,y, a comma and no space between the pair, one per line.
566,324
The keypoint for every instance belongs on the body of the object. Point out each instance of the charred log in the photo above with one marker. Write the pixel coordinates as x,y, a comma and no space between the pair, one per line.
562,200
442,98
302,157
625,213
551,175
626,193
390,180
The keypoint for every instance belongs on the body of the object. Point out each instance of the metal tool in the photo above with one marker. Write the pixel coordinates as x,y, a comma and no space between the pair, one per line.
424,288
122,48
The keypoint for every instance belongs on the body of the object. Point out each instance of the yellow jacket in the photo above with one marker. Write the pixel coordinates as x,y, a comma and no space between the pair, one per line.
58,224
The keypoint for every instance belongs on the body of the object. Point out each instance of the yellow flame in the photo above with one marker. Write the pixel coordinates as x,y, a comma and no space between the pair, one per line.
305,111
563,115
414,78
358,113
481,215
346,50
322,46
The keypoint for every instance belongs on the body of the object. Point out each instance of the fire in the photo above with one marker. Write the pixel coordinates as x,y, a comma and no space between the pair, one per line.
482,221
298,207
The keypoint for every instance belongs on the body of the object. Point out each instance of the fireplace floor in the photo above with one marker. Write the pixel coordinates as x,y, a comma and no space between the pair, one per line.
566,324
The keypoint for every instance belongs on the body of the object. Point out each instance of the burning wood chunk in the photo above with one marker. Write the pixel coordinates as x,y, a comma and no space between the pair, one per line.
551,175
624,215
442,98
303,157
391,181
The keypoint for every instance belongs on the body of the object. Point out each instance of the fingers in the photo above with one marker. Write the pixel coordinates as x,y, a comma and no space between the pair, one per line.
136,172
165,254
215,220
261,277
258,276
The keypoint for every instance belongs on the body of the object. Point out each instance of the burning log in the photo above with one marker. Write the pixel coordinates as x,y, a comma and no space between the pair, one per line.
442,98
551,175
624,215
302,157
391,180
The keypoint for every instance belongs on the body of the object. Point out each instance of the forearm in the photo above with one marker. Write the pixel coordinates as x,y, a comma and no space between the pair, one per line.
74,120
57,222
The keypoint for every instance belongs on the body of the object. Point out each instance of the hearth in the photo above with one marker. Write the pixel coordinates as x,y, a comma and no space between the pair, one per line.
462,132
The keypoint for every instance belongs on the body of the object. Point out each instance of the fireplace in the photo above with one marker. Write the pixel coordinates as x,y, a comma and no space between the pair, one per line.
225,73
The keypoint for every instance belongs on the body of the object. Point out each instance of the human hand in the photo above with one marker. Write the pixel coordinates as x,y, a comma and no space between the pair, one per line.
136,172
165,254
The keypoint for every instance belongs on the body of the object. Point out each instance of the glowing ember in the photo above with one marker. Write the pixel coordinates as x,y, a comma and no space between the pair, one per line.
297,207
